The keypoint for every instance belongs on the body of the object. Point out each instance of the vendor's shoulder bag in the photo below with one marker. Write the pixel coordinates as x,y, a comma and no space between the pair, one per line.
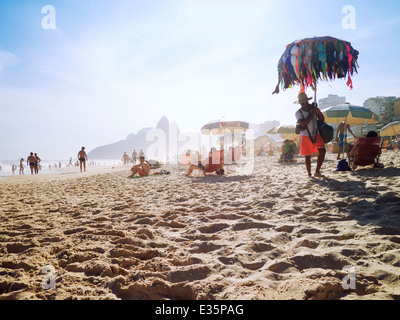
325,130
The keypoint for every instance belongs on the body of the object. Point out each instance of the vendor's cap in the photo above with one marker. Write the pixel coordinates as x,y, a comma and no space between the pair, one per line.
302,98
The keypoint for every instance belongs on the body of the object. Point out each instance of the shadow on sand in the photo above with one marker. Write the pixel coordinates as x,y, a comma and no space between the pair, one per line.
377,204
223,178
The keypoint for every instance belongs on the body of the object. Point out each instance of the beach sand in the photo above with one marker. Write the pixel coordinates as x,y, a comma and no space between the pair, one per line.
273,233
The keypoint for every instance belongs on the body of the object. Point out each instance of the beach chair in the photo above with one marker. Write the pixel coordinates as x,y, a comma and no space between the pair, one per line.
367,153
184,161
215,163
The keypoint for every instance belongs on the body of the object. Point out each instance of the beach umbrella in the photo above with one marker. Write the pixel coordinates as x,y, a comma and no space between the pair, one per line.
224,126
282,130
309,60
351,114
286,132
392,129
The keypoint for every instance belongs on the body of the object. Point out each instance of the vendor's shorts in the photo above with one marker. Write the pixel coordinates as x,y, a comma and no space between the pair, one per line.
308,148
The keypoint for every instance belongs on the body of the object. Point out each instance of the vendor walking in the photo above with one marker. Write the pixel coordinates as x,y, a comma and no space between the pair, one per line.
310,139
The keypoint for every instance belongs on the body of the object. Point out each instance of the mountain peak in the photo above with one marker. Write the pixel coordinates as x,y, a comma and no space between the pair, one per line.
163,123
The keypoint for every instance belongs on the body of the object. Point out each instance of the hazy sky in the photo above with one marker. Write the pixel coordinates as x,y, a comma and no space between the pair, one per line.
111,68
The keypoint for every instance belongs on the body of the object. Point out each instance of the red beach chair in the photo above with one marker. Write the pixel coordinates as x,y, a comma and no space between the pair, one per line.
215,162
367,153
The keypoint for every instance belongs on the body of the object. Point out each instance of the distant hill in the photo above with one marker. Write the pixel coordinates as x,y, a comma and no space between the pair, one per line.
116,150
138,141
132,142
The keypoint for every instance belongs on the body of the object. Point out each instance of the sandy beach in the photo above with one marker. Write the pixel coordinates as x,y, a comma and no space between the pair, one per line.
270,234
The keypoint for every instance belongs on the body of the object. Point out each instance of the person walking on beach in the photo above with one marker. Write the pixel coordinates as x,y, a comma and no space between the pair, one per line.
310,139
134,156
341,137
31,162
125,159
37,165
82,158
143,169
21,166
70,163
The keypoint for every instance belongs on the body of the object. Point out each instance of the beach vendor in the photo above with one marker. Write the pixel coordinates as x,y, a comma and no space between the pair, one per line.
143,169
341,137
310,139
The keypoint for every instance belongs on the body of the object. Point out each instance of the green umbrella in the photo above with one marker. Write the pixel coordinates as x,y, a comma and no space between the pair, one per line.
350,114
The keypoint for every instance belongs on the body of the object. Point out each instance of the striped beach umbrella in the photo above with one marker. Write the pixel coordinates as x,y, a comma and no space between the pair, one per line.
223,126
351,114
286,132
282,130
392,129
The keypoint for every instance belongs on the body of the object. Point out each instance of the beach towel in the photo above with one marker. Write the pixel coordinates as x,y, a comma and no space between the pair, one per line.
160,173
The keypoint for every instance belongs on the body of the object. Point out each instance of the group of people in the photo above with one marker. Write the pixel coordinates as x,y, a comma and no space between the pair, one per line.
33,161
311,140
126,159
214,161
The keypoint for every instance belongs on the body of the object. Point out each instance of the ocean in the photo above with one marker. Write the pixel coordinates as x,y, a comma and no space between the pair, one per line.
49,166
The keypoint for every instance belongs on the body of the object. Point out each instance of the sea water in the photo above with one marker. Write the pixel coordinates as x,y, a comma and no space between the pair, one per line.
50,166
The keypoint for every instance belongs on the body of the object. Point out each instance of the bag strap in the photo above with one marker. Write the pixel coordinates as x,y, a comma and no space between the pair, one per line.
313,139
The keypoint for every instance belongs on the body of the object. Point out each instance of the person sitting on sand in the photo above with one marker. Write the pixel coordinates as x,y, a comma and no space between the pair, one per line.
212,160
143,169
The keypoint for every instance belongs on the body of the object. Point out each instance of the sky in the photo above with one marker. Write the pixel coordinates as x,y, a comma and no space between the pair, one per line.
89,73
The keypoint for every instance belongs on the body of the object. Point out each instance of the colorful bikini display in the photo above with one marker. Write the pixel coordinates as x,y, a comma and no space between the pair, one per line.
309,60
